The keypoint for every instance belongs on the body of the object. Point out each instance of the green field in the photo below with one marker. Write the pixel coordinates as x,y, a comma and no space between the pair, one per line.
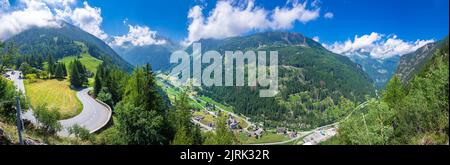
266,138
220,105
87,60
54,93
241,121
172,92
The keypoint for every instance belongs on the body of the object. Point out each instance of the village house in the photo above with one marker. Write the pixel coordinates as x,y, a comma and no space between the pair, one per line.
292,135
281,131
232,122
199,118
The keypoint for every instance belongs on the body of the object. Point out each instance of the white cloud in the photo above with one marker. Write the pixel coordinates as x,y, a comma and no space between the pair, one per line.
285,17
230,18
225,20
316,38
61,2
329,15
89,19
33,14
137,36
49,13
377,45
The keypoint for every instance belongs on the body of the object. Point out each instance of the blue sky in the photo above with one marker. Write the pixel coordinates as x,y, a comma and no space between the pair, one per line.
409,19
383,28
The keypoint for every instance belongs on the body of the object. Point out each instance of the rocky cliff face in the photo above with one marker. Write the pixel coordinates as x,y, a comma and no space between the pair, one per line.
410,64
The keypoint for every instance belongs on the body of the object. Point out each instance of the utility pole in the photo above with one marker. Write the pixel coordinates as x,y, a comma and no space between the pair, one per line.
19,120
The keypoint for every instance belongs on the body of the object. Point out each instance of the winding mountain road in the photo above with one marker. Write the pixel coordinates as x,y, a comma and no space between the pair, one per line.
94,116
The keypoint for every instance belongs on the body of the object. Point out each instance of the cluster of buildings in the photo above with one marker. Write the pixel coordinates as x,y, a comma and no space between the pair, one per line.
319,136
255,131
284,131
232,122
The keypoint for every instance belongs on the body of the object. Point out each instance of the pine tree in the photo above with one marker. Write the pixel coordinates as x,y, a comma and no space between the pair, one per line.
40,62
186,132
182,137
394,92
50,62
97,84
75,76
64,69
141,114
142,90
59,71
82,71
78,75
110,77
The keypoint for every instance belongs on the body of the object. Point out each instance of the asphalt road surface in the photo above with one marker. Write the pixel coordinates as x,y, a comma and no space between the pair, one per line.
204,126
93,117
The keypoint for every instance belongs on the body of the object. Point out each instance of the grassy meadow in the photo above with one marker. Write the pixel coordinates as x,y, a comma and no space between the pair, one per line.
54,93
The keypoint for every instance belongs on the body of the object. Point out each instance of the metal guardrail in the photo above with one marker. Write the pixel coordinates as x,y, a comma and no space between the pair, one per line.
109,114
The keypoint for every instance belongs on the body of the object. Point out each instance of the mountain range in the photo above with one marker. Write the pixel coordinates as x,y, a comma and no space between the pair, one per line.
64,41
308,75
412,63
379,70
311,78
156,55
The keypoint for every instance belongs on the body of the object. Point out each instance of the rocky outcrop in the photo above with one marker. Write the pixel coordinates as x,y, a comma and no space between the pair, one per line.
411,64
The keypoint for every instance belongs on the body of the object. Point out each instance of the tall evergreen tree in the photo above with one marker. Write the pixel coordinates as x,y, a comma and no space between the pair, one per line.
394,92
40,62
186,132
59,71
141,114
78,75
75,76
97,83
50,64
110,77
63,68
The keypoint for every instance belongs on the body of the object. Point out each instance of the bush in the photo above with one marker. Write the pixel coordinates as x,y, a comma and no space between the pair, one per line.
80,132
32,78
48,120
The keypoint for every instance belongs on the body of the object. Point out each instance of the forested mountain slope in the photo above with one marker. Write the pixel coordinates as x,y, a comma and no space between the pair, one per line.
311,80
59,42
415,112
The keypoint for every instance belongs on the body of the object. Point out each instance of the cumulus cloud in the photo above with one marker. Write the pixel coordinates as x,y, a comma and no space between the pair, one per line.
285,17
138,36
33,14
89,19
225,20
377,45
48,13
329,15
230,18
